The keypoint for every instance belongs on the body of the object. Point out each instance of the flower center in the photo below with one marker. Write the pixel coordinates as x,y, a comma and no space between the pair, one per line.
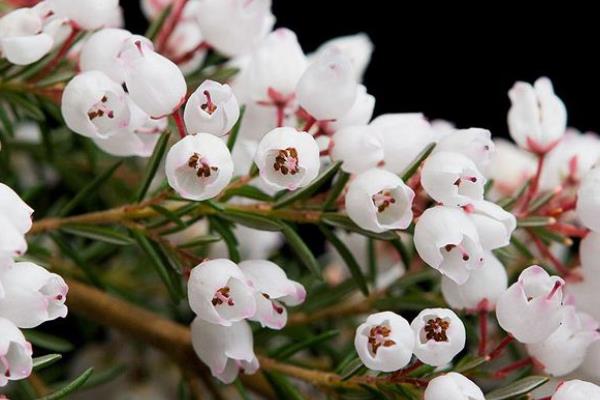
436,329
460,247
378,336
223,296
201,165
208,106
286,161
382,200
278,309
100,109
4,363
462,179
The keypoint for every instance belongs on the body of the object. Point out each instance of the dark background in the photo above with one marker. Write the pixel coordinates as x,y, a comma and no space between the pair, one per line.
451,63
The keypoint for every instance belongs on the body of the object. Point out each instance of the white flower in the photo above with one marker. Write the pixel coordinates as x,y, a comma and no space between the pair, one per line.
154,82
452,179
577,390
475,143
404,137
94,106
22,37
494,224
86,14
185,45
565,349
272,289
219,293
234,27
359,147
585,290
447,240
531,309
590,368
537,118
378,200
199,166
359,114
273,70
358,48
287,159
32,295
15,353
327,89
212,108
101,51
226,350
384,342
452,386
483,287
15,221
439,336
588,200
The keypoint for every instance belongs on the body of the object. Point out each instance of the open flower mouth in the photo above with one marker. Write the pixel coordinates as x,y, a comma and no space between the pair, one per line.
435,329
202,167
106,113
378,337
286,161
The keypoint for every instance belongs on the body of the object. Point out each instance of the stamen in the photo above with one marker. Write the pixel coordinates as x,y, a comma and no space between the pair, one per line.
202,167
377,337
209,106
382,200
222,296
286,161
436,329
557,285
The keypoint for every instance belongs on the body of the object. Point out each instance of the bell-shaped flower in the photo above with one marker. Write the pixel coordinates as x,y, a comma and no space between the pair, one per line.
531,309
273,290
186,46
537,119
590,368
154,82
576,390
358,48
219,292
359,114
212,108
475,143
101,51
588,200
23,40
452,386
565,349
359,148
405,135
234,27
378,200
86,14
494,224
273,71
15,221
327,89
227,350
510,167
384,342
32,295
447,240
94,106
287,159
12,242
15,353
589,248
439,336
585,288
199,166
482,289
452,179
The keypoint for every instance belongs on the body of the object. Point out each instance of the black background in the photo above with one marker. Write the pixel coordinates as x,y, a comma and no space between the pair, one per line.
452,63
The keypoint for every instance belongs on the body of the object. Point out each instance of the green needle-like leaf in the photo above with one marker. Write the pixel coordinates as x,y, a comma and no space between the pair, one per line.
309,190
100,233
47,341
153,163
414,165
304,254
518,388
45,361
236,129
70,388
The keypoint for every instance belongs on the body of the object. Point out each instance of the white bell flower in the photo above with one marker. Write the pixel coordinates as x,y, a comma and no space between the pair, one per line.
358,48
378,200
287,158
494,224
447,240
86,14
101,51
452,179
576,390
475,143
272,289
452,386
219,293
439,336
359,114
510,167
588,200
359,148
531,309
23,40
15,221
199,166
212,108
384,342
15,353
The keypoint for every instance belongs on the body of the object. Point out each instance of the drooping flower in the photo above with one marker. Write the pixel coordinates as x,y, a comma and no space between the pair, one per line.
86,14
212,108
15,353
359,114
359,148
577,390
475,143
453,386
588,200
439,336
358,48
15,221
101,51
494,224
23,40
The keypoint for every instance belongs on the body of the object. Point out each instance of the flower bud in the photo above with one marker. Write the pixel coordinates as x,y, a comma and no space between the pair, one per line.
483,287
537,119
359,114
475,143
531,309
447,240
384,342
439,336
272,289
199,166
577,390
378,200
86,14
588,200
452,179
494,224
359,147
358,48
22,38
226,350
101,51
212,108
94,106
287,159
327,89
15,353
452,386
219,292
